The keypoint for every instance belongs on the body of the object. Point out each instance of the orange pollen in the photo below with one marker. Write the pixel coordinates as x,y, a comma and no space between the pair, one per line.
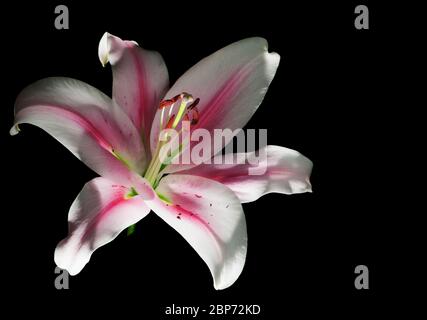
170,122
194,115
169,102
194,104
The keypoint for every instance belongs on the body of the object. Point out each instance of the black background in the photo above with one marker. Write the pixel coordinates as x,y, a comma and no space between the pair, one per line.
333,99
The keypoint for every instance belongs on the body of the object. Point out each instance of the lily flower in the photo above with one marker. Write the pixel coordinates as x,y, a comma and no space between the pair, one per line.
119,139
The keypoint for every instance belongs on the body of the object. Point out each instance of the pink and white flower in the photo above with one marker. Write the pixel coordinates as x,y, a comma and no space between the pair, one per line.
119,139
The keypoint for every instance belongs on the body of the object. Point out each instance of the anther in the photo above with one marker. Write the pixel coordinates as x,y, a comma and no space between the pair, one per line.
169,102
165,103
194,104
170,122
194,115
185,100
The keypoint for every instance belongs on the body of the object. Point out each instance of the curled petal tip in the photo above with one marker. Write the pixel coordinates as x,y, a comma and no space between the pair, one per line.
275,55
103,49
273,61
14,130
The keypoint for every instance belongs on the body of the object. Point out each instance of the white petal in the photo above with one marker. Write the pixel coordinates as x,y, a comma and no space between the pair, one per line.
271,169
231,84
99,213
86,122
210,217
140,79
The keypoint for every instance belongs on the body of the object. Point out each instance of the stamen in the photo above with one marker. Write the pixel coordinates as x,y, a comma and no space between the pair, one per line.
186,99
165,103
170,122
187,111
161,118
195,116
169,102
171,109
194,104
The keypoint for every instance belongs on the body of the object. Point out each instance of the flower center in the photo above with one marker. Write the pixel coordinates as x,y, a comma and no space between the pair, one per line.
174,111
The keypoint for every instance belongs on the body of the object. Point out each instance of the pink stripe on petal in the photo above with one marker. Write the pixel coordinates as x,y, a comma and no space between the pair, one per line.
218,102
72,116
140,80
84,120
97,216
102,214
231,84
274,169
